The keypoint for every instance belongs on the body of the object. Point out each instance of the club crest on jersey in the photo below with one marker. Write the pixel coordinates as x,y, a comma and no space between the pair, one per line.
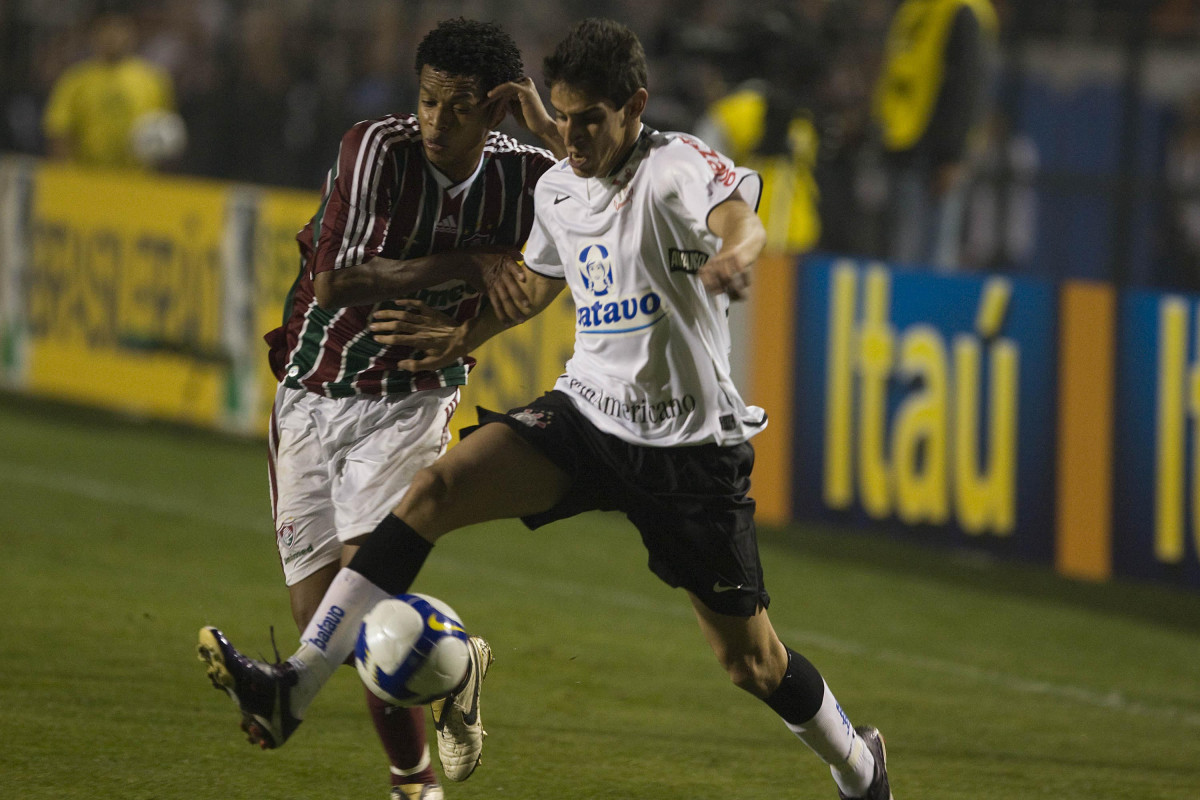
610,313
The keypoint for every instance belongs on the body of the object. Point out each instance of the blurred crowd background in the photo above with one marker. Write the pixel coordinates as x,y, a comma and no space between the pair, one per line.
1082,156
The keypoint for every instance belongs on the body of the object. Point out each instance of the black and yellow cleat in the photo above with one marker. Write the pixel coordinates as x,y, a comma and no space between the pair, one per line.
261,690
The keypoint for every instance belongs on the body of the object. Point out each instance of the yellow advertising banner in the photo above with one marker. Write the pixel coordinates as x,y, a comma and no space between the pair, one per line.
124,293
281,215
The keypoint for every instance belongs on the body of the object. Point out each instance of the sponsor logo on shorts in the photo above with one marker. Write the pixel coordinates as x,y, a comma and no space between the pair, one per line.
643,413
534,419
298,554
328,627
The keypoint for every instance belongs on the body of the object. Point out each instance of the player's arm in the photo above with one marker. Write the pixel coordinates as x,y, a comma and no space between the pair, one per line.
372,278
522,101
380,279
742,240
57,118
440,340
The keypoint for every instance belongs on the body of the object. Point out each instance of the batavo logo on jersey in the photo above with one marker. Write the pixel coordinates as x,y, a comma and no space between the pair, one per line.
610,313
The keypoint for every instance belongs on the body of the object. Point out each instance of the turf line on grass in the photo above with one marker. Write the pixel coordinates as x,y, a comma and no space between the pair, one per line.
114,494
1113,701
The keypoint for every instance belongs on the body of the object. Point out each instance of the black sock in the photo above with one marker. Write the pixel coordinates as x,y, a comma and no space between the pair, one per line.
799,695
391,556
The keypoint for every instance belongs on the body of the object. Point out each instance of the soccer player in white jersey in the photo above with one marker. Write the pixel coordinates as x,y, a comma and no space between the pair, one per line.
415,203
654,234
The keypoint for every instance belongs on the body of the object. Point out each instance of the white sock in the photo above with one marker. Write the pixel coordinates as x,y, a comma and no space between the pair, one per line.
831,736
330,635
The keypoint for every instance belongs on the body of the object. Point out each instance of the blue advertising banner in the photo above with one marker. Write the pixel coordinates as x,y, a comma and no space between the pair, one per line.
1156,526
926,403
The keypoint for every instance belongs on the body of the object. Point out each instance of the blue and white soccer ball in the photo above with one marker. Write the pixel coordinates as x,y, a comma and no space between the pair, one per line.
411,650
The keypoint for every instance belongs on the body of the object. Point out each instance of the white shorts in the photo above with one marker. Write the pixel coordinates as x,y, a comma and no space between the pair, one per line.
338,466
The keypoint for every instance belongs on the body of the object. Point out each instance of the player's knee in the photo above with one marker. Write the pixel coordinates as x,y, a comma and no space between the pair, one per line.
431,492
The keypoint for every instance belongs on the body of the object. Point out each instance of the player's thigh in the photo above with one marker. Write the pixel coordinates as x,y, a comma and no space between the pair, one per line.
397,437
305,529
491,474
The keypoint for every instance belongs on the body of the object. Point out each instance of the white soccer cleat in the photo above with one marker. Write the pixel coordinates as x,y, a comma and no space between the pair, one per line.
459,729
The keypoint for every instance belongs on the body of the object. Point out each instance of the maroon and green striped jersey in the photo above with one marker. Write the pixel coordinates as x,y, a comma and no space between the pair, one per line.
383,198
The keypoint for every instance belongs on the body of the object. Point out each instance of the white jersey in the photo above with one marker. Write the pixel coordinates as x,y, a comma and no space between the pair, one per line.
651,360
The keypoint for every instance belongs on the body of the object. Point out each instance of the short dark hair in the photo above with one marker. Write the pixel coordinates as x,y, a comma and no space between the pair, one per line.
471,49
602,57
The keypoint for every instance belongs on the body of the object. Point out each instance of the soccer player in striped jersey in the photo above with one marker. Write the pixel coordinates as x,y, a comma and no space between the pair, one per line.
420,213
654,234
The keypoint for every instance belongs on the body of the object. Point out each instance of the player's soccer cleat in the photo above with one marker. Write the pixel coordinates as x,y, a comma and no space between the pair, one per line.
879,789
261,690
417,791
459,730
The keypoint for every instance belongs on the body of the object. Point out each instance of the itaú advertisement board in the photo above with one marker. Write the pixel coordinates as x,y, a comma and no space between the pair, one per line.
1156,486
925,403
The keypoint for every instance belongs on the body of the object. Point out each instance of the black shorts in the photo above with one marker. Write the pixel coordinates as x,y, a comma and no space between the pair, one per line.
689,503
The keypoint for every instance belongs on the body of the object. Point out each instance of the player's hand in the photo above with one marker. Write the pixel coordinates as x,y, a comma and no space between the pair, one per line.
481,266
723,273
498,273
437,339
506,293
521,99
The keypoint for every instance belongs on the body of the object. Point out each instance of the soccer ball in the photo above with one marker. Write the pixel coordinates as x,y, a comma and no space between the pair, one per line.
411,650
158,137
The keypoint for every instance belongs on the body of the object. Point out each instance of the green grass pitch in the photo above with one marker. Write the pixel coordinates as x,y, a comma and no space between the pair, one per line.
119,540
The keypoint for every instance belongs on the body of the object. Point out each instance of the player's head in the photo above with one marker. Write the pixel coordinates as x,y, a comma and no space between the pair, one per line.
457,64
597,77
114,37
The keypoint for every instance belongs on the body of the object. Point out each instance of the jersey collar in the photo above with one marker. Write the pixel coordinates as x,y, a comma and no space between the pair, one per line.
599,192
456,189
